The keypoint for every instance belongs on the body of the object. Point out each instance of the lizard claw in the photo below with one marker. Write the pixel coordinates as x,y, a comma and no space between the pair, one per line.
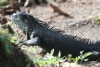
22,42
30,42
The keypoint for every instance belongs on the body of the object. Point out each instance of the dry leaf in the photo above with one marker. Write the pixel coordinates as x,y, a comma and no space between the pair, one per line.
26,3
4,26
2,11
10,30
58,10
3,21
12,8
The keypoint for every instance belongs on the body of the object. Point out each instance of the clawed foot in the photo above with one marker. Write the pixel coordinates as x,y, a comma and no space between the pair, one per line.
22,42
31,42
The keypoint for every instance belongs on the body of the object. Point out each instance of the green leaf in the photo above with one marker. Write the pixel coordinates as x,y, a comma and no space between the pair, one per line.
4,2
86,54
86,59
69,55
52,51
59,54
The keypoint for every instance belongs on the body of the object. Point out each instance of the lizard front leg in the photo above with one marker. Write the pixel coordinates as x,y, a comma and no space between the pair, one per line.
31,40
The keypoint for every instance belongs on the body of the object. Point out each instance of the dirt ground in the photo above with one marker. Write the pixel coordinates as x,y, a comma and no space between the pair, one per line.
82,24
81,11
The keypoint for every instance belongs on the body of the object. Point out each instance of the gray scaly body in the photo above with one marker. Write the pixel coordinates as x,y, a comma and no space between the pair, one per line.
41,35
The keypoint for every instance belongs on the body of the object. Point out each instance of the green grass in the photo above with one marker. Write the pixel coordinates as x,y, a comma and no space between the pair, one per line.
55,60
49,59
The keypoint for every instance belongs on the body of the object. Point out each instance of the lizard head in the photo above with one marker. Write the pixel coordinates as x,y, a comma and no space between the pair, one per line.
25,21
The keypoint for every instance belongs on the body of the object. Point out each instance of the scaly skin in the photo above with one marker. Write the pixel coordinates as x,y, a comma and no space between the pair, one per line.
41,35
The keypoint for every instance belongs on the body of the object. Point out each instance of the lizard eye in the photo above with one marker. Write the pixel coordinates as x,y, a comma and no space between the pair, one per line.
25,21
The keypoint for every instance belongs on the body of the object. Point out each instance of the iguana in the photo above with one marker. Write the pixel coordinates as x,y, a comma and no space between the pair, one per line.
47,38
